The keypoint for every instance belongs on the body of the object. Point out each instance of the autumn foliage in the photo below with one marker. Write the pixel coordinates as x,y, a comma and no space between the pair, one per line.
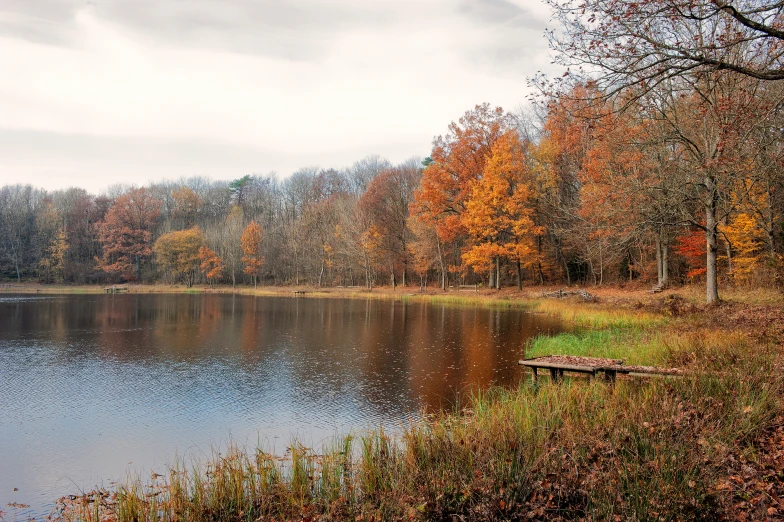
588,190
127,232
178,252
251,250
210,264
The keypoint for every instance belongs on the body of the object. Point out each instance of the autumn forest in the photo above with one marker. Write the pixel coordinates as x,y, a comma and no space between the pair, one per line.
567,193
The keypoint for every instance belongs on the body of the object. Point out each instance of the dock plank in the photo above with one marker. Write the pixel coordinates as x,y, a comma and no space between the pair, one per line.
557,364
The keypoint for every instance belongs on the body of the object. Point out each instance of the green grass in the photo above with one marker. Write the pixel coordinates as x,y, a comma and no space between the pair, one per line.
634,346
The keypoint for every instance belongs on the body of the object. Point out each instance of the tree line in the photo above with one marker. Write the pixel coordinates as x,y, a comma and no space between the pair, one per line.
568,193
663,165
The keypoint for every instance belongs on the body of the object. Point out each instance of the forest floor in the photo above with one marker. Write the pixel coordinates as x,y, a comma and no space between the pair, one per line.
707,446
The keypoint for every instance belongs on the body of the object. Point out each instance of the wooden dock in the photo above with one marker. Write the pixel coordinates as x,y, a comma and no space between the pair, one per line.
115,289
610,368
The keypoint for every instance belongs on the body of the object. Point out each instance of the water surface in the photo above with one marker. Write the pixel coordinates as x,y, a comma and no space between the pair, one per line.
94,385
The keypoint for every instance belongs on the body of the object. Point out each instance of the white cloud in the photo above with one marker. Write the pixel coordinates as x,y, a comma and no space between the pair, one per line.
375,77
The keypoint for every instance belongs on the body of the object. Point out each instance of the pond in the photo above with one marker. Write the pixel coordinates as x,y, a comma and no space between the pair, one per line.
93,386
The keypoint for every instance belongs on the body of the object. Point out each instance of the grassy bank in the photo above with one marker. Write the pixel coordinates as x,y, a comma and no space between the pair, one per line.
692,448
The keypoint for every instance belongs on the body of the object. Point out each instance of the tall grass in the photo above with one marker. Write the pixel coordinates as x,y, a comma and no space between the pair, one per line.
593,315
464,300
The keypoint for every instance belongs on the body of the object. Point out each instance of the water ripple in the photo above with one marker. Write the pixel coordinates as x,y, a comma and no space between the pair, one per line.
93,386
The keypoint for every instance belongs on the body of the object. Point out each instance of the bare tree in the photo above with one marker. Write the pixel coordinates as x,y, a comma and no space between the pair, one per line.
641,44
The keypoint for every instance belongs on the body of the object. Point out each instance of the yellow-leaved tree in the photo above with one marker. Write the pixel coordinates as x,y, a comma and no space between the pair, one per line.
499,212
178,252
746,237
52,265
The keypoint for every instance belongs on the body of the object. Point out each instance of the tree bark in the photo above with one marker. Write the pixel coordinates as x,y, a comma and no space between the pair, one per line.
539,259
712,241
665,265
392,272
442,262
769,223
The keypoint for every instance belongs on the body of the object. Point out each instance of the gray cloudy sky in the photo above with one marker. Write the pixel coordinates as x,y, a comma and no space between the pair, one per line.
99,92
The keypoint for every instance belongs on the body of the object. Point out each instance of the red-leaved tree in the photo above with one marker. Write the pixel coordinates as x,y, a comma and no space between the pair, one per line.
126,234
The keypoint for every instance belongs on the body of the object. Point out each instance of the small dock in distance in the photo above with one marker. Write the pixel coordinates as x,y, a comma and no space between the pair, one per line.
115,289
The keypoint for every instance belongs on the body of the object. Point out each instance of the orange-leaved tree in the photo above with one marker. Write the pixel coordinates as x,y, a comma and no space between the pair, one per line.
126,233
211,264
251,250
458,160
498,211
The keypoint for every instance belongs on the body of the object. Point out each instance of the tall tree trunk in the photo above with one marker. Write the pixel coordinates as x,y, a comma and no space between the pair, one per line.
392,272
712,241
601,266
296,268
539,259
321,273
519,275
441,262
665,264
138,269
566,268
769,223
662,260
728,249
497,273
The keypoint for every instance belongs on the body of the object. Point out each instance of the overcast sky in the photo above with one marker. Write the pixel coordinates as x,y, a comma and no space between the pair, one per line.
99,92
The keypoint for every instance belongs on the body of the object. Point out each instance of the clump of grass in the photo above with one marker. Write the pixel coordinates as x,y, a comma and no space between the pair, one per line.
636,336
593,315
466,300
634,346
